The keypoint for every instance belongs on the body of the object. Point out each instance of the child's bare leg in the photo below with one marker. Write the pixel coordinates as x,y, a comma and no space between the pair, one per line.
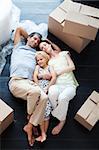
58,128
43,133
28,129
42,138
46,125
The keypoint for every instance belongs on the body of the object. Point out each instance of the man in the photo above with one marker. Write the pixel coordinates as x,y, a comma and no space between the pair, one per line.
21,85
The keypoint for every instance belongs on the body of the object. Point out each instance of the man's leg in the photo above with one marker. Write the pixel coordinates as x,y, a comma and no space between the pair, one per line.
26,90
38,115
29,131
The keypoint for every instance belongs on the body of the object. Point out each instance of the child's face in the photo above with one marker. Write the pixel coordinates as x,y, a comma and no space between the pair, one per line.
41,61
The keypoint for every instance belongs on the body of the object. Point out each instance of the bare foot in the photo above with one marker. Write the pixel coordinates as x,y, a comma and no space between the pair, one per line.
28,129
38,139
58,128
41,138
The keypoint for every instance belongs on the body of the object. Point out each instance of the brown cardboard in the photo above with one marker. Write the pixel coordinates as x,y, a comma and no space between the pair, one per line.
73,24
56,24
88,114
81,25
6,116
81,19
94,97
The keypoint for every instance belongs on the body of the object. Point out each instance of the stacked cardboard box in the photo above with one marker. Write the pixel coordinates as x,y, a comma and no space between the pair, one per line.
74,23
6,116
88,114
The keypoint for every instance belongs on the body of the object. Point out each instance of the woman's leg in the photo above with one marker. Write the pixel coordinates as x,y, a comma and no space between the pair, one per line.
53,95
60,112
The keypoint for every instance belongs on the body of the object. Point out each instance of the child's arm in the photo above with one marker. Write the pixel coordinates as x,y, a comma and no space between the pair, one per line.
35,74
68,68
53,79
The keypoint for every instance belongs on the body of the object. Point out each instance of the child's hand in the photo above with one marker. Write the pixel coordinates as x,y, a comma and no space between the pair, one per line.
46,90
47,76
40,76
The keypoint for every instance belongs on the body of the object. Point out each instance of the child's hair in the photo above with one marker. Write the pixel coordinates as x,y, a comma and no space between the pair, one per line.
44,54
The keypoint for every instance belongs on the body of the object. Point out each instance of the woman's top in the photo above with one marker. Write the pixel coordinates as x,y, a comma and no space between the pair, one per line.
59,64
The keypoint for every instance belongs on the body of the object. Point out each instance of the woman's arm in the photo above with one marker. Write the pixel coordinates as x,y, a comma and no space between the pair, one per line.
18,34
35,75
55,47
70,66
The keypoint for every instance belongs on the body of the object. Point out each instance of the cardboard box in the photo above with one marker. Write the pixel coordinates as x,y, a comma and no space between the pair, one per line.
6,115
88,114
73,23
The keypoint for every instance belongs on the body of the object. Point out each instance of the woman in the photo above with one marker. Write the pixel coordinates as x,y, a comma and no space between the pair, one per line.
65,87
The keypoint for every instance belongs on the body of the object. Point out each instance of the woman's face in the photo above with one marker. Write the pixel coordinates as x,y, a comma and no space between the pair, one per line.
45,47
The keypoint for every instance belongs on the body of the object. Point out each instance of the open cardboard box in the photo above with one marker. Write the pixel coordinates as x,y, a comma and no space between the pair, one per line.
88,114
6,115
74,24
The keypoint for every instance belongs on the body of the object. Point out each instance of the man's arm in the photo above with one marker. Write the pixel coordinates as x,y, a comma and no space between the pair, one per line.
18,34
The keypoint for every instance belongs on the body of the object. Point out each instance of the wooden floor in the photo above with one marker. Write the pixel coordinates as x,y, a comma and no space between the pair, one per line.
73,136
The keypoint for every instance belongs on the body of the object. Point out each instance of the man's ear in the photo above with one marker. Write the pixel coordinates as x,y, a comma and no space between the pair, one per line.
28,38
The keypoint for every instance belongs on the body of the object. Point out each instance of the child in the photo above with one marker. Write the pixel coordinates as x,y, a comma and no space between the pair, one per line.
42,71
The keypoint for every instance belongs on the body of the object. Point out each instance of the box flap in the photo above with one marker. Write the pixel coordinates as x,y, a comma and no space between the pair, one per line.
94,97
69,5
94,22
93,118
58,14
90,11
77,18
5,111
80,25
82,19
86,109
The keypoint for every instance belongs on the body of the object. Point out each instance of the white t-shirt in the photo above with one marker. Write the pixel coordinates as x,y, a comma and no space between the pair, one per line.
59,64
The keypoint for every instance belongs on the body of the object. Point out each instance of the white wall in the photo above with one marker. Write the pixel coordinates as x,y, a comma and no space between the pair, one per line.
36,10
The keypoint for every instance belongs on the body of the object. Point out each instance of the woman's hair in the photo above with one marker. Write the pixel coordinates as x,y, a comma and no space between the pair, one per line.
44,54
48,42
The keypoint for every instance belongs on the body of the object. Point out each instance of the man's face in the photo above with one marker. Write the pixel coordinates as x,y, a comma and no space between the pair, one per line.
33,41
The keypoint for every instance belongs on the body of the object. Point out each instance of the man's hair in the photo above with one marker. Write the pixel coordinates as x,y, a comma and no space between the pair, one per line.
35,33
